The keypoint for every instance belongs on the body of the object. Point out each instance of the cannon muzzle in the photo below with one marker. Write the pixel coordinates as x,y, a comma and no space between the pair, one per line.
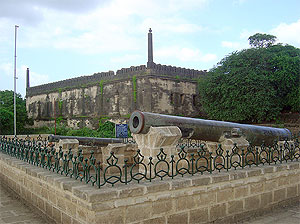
207,130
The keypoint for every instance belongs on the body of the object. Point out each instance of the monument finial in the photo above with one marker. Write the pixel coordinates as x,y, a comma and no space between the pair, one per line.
150,31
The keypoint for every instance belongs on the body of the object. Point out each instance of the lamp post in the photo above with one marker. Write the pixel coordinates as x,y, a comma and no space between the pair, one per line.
15,82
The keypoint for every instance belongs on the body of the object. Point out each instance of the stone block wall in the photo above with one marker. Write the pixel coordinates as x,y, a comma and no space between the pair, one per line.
218,197
176,71
83,106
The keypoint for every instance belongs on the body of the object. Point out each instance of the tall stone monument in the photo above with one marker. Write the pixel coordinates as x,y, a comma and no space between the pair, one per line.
27,78
150,62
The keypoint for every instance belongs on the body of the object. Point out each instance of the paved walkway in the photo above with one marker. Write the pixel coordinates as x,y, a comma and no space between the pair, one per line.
12,210
289,215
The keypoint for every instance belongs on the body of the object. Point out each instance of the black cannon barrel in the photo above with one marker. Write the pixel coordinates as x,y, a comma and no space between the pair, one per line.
90,140
207,130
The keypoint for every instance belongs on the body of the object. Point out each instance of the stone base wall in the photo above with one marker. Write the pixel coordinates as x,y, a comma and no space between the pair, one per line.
220,197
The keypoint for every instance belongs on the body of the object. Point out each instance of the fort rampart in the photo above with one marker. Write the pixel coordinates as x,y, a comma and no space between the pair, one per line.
82,101
156,69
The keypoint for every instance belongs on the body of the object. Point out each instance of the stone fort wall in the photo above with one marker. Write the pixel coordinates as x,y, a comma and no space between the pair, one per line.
82,101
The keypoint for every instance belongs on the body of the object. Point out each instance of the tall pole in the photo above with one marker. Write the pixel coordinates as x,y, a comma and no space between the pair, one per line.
54,112
15,82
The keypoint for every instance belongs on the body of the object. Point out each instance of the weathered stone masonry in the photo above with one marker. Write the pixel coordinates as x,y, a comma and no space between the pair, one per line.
84,105
219,197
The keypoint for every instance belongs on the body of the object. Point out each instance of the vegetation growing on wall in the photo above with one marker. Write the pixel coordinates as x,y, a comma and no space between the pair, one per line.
102,120
101,87
254,84
59,119
134,87
60,102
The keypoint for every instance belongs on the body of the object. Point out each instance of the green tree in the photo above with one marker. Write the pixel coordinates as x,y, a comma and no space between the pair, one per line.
253,85
259,40
7,112
6,121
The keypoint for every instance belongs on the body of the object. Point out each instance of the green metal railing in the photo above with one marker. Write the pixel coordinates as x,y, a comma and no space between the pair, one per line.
90,171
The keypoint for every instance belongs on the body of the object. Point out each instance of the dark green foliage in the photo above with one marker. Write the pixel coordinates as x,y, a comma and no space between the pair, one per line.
253,85
106,130
7,113
82,132
60,130
261,40
6,121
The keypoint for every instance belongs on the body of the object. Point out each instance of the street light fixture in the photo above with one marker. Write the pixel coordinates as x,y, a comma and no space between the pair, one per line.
15,82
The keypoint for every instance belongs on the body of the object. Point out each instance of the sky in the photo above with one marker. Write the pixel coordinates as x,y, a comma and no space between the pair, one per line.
61,39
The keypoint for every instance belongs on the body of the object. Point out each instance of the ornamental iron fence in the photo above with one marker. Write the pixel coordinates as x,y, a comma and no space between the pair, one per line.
113,171
43,141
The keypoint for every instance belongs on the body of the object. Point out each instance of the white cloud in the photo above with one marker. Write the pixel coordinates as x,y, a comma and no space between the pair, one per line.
126,58
184,54
6,69
34,77
242,43
285,33
239,2
230,44
31,11
115,25
7,73
245,34
209,58
235,45
170,25
288,33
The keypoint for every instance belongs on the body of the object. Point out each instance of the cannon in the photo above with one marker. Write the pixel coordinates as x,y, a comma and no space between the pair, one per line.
85,140
207,130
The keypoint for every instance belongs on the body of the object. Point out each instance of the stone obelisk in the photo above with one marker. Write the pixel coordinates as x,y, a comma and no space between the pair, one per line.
27,78
150,62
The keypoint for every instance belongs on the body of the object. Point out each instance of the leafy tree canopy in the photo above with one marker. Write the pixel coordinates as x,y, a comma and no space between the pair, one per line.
259,40
253,85
7,112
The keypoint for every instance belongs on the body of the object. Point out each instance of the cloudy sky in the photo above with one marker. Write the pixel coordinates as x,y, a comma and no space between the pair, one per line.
60,39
